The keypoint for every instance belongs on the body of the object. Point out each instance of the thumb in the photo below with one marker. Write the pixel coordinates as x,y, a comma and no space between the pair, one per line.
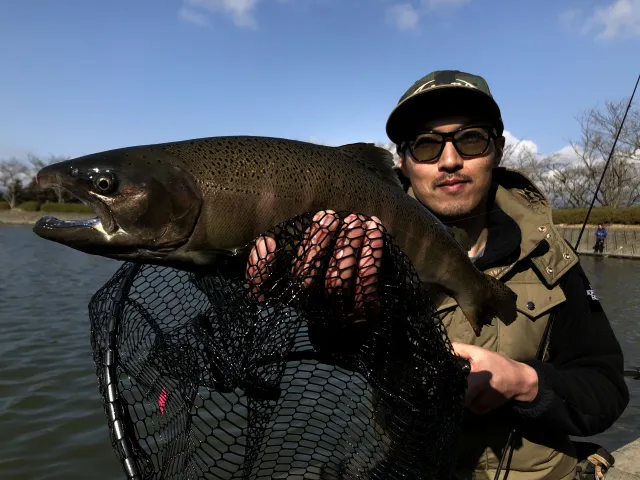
462,350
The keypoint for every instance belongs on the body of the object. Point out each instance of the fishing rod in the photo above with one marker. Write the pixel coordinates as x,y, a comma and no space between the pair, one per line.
627,373
606,165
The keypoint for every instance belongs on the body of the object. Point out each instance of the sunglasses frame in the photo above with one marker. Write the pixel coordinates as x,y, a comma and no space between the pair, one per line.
407,145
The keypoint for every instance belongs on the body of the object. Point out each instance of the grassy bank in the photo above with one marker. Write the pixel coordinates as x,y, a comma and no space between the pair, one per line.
49,207
605,215
27,213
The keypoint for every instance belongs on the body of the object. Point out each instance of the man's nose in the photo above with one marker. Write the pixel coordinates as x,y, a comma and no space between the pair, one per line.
450,160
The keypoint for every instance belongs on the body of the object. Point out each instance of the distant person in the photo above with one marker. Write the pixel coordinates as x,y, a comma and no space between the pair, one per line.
601,234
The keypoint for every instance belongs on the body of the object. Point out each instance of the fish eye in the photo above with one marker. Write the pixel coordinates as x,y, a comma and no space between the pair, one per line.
104,183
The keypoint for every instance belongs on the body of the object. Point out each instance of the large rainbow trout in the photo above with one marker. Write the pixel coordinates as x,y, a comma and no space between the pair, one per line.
182,204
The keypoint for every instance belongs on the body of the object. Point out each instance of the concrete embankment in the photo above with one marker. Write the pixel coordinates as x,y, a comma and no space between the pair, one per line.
627,463
622,240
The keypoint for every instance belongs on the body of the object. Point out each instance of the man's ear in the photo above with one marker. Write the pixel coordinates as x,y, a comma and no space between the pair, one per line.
401,171
500,142
402,164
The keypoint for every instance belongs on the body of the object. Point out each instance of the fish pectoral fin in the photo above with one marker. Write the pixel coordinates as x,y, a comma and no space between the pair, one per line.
377,159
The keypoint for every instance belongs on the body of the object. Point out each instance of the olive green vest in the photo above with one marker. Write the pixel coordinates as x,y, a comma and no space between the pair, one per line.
544,259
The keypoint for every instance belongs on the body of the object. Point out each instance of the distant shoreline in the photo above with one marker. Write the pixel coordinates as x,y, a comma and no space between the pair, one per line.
19,217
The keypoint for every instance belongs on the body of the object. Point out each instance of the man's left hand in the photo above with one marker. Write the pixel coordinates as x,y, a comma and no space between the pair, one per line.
494,379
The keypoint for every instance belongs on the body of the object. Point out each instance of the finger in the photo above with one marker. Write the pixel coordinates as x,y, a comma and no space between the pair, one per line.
462,350
369,263
475,387
343,261
485,401
259,265
314,245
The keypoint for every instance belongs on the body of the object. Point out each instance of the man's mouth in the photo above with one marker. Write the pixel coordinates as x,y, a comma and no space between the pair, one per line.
452,184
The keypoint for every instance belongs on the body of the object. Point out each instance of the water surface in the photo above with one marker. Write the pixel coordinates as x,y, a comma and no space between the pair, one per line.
51,416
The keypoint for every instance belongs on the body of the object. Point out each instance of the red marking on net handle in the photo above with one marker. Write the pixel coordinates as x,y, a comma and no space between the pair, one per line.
162,400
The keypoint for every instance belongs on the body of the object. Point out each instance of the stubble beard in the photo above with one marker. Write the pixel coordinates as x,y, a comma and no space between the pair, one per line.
453,212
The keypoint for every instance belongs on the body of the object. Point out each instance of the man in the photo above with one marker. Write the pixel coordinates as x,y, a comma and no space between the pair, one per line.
449,134
601,235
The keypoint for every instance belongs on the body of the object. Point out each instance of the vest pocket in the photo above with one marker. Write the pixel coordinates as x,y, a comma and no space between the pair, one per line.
520,339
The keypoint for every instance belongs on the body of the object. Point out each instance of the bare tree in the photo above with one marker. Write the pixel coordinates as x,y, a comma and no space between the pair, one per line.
540,169
570,185
599,126
528,162
12,172
39,163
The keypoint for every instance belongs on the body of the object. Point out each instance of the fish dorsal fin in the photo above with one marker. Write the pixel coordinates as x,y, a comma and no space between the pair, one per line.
376,159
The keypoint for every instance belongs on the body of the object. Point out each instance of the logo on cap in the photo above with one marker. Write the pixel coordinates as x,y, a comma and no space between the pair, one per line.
433,83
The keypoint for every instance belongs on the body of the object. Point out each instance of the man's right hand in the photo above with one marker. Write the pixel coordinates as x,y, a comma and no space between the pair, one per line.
354,264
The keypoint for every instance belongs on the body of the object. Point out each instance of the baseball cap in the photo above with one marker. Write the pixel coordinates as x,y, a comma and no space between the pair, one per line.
442,92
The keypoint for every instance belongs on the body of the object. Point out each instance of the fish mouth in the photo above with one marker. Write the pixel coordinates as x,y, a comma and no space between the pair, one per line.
83,234
49,222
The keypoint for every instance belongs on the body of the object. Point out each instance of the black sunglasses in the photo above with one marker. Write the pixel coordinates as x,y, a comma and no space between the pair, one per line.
468,142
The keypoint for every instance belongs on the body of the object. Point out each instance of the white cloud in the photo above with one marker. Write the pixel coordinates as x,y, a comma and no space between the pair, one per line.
568,155
433,4
403,16
518,146
193,16
240,11
406,16
619,19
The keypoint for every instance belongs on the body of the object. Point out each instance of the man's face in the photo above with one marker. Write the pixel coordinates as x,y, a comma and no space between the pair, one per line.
600,227
452,185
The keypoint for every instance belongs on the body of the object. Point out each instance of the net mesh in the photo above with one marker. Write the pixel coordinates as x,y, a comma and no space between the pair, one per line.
268,369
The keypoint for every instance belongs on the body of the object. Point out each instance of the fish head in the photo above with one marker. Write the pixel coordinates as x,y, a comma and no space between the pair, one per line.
147,205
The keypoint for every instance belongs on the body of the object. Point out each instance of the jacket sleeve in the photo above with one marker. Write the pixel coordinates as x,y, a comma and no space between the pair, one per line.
581,388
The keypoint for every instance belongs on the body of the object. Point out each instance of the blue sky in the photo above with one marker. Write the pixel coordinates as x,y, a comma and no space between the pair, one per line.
78,77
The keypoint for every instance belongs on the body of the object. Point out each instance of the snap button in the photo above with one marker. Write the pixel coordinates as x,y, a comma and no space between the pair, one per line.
531,305
548,235
549,270
542,228
566,256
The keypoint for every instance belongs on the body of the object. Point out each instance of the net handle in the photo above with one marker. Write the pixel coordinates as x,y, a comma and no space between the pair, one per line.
114,406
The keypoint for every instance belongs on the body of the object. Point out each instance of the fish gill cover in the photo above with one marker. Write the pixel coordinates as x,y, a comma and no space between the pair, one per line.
203,379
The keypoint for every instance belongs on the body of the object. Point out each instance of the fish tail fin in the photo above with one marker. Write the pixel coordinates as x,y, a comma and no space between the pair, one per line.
492,299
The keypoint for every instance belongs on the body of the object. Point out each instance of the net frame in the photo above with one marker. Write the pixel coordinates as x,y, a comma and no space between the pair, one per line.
122,429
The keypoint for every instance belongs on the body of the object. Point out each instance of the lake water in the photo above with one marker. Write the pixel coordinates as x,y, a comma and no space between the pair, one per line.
51,416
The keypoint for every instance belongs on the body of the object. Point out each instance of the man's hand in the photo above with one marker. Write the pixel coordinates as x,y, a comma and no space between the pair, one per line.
353,266
495,379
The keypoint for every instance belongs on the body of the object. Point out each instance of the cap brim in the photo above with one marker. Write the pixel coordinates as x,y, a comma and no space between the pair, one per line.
444,100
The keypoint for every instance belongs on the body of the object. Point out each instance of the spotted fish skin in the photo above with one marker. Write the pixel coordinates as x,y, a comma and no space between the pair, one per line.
241,186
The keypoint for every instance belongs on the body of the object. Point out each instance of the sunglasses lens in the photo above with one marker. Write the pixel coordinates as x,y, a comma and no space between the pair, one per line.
426,147
472,141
